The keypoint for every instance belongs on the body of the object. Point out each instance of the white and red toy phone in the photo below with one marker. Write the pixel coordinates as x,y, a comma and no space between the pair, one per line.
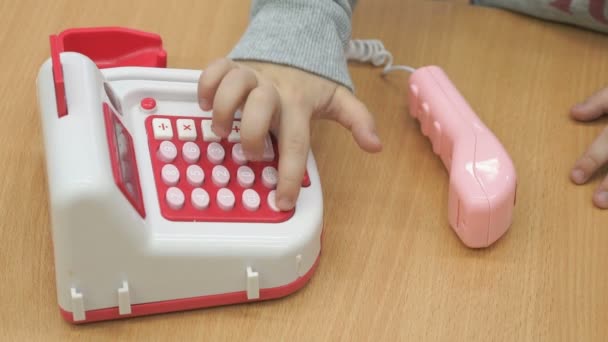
151,212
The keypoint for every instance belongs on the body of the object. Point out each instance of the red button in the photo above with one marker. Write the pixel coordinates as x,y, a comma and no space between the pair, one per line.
148,103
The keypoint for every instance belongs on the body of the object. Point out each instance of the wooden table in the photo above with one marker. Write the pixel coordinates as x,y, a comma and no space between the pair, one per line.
391,269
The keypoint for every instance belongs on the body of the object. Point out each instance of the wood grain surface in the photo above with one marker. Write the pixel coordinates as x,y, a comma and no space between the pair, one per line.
391,268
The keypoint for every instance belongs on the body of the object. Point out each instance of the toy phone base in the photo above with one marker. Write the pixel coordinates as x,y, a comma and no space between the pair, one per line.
193,303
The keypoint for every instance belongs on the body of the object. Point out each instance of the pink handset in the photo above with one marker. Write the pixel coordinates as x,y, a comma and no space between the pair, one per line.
483,181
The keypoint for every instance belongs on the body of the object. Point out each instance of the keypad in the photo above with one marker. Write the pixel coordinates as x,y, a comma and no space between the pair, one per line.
201,177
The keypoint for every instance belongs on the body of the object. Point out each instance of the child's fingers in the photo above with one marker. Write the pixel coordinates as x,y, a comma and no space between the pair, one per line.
210,80
594,107
347,110
230,95
592,160
262,103
601,195
294,142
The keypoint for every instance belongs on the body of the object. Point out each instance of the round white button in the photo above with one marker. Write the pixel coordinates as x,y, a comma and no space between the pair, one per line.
269,177
195,175
170,174
191,152
225,199
238,155
175,198
215,153
272,200
200,199
220,175
167,151
245,176
251,200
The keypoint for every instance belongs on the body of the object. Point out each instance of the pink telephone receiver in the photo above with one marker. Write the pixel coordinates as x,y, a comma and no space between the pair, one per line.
483,181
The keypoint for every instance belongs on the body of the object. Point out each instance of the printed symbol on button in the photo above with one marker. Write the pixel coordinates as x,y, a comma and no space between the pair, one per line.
186,130
167,151
175,198
245,176
235,136
191,152
200,199
270,177
170,174
225,199
162,129
215,153
195,175
220,175
251,200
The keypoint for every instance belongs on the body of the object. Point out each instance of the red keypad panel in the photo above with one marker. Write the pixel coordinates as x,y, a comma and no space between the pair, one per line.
200,177
122,156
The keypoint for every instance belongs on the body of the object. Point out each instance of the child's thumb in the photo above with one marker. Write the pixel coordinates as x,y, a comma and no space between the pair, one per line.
351,113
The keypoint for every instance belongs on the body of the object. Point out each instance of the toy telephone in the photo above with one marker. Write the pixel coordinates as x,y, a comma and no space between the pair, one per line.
483,181
151,212
482,178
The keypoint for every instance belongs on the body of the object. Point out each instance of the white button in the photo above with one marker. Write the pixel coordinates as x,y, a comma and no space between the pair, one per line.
170,174
272,200
208,134
269,177
186,131
215,153
220,175
195,175
191,152
225,199
162,129
167,152
200,199
175,198
268,150
251,200
235,134
238,156
245,176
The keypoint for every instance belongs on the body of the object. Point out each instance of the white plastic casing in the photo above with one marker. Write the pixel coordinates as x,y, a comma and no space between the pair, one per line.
106,254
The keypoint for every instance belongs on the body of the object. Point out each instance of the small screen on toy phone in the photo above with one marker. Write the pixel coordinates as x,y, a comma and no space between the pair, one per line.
122,155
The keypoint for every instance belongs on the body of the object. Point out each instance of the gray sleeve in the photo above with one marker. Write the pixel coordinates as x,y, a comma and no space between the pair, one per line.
306,34
584,13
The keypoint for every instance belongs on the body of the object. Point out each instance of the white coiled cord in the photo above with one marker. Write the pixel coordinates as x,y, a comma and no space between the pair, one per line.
372,50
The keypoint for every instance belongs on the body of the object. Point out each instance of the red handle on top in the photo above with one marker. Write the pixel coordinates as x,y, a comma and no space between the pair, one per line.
108,47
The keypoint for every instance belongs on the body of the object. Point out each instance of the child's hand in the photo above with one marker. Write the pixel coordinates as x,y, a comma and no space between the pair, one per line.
282,100
597,154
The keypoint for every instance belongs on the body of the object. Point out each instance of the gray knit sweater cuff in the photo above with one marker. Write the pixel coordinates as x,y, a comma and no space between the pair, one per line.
307,34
